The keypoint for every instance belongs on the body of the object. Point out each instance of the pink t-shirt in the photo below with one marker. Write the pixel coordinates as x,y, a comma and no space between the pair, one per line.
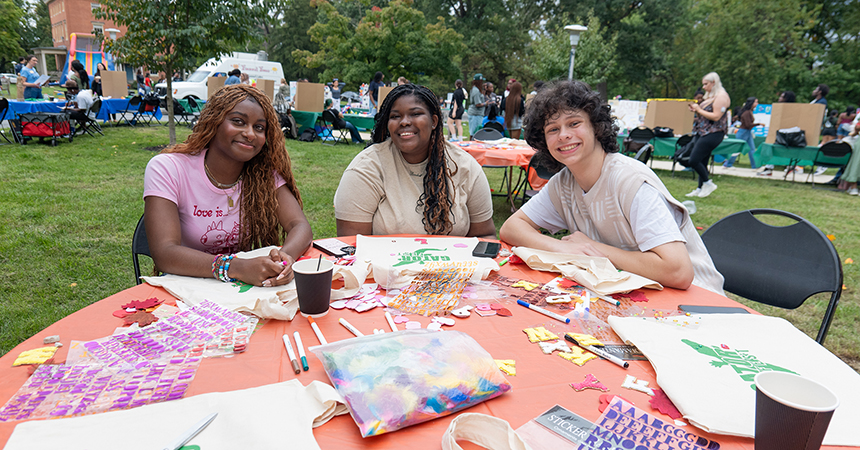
207,220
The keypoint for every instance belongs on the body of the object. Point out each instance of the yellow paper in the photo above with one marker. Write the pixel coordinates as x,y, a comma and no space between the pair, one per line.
35,356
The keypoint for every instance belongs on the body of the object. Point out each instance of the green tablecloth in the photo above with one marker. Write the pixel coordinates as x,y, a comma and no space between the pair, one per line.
780,155
184,103
362,122
305,119
666,146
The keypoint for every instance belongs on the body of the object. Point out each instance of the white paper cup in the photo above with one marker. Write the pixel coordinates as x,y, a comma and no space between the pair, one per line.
792,412
313,286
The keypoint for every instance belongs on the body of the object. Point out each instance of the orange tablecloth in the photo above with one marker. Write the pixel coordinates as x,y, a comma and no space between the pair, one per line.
503,155
541,381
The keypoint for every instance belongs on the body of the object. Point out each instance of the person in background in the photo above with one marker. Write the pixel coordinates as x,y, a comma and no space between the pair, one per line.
828,129
819,94
245,79
340,124
401,81
177,76
373,92
97,79
493,116
411,181
228,188
147,80
613,206
31,76
848,180
79,75
514,108
22,61
335,93
79,108
455,116
536,87
490,97
745,131
233,77
476,104
710,126
162,77
845,121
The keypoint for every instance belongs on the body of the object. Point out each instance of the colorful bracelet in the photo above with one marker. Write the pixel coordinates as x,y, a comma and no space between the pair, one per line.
224,267
215,266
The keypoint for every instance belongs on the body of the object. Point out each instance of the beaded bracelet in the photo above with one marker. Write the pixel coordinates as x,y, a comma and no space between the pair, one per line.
224,267
215,266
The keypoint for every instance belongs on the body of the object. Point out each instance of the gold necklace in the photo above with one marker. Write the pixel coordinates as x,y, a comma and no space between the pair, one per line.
222,186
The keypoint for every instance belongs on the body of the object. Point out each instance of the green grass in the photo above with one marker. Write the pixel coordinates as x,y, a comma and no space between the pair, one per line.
67,214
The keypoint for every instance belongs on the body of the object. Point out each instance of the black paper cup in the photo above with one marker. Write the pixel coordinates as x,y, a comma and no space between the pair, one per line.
791,412
313,286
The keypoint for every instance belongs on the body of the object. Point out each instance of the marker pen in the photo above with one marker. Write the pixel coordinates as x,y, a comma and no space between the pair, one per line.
390,321
301,348
349,327
545,312
292,354
317,331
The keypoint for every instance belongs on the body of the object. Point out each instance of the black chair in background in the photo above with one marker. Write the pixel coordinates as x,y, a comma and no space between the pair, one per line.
496,126
133,106
679,144
776,265
139,246
4,110
538,164
644,154
91,126
636,139
487,134
328,123
831,154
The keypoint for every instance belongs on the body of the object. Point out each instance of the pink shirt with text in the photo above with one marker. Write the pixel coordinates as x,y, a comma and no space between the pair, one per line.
207,221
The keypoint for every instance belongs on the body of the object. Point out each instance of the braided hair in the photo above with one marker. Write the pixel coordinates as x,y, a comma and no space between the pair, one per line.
258,211
437,198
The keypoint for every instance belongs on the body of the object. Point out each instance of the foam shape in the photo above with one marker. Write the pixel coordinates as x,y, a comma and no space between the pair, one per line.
553,346
401,319
445,321
525,285
366,306
661,402
630,382
504,312
496,306
339,304
462,312
508,366
485,313
483,307
35,356
585,339
578,356
434,326
539,334
413,325
590,382
554,299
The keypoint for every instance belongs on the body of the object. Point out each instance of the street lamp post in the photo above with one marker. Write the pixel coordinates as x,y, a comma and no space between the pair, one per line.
574,31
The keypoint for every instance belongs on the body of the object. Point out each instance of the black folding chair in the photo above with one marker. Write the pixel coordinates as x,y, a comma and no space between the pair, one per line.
495,126
91,126
139,246
329,120
776,265
539,165
831,154
679,144
487,134
4,111
134,107
636,139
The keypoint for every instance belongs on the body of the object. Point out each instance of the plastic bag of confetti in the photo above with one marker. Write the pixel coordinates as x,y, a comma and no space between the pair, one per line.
393,380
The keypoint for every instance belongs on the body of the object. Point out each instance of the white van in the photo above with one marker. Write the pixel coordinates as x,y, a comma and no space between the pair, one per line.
250,63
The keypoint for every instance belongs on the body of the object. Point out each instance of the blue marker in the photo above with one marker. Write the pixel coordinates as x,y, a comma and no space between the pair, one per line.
545,312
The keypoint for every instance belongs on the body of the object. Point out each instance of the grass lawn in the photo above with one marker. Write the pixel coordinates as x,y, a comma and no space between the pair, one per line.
68,213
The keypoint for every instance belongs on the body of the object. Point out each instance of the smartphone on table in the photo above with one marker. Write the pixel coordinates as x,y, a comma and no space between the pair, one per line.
486,249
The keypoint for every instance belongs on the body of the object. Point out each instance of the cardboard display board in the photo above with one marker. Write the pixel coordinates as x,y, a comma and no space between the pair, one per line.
21,88
267,86
383,92
114,84
806,116
674,114
213,84
310,97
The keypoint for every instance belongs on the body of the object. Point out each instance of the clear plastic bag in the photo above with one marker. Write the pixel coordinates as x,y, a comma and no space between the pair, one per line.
394,380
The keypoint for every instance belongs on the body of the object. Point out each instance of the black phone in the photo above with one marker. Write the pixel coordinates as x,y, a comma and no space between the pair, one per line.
701,309
334,247
486,249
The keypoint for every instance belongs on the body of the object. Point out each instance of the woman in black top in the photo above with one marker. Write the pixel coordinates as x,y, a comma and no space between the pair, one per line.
455,117
340,124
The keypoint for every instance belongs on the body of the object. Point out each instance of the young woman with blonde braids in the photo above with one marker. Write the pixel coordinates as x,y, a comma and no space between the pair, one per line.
229,187
411,181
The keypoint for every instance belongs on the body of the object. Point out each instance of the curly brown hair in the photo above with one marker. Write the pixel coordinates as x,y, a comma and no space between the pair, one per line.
566,95
437,197
259,203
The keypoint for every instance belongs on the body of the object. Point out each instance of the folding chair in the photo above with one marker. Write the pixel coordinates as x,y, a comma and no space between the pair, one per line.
636,139
4,110
91,126
328,124
776,265
134,107
139,246
831,154
495,126
181,114
538,165
487,134
679,144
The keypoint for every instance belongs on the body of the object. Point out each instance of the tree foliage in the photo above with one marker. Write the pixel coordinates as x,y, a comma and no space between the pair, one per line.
289,31
173,35
396,40
10,40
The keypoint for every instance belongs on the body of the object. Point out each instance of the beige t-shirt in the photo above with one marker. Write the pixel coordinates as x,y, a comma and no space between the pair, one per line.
380,187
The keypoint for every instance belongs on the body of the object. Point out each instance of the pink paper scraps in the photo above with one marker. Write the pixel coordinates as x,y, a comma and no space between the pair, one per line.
633,296
590,382
508,366
662,403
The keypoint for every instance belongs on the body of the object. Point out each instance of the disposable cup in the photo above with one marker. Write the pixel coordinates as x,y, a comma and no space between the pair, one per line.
791,412
313,286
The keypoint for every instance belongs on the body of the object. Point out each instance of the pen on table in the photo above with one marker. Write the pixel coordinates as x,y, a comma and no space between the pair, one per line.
390,321
545,312
349,327
503,262
317,331
599,352
301,351
292,354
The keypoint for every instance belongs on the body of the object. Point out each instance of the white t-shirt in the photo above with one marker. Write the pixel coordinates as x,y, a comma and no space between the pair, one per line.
652,218
207,221
85,101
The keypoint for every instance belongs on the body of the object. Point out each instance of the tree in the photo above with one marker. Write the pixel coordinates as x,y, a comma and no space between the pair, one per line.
10,47
172,35
395,40
294,18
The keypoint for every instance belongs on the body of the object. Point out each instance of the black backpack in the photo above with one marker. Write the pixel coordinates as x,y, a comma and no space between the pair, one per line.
664,132
309,135
288,126
682,155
